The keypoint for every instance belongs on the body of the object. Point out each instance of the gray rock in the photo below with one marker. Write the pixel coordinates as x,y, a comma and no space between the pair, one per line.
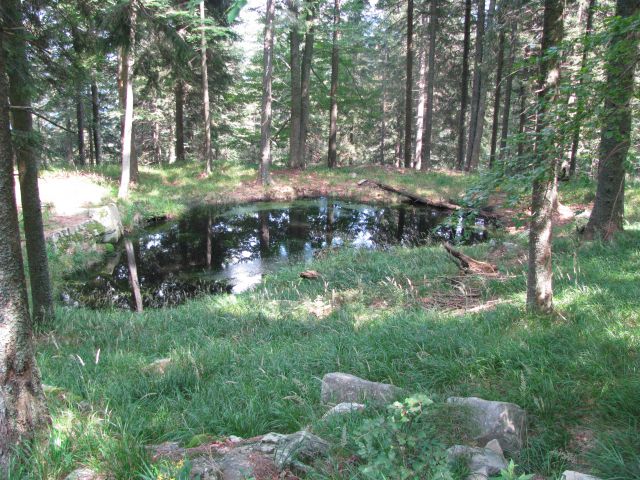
109,219
84,474
341,387
482,462
502,421
344,407
299,447
158,366
571,475
244,463
204,468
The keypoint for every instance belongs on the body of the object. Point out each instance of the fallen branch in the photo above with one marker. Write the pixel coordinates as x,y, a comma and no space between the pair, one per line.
468,264
412,196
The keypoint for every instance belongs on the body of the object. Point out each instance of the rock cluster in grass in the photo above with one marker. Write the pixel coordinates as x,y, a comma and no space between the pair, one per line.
340,387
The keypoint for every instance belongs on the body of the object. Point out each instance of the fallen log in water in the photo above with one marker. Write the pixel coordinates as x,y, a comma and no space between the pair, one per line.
468,264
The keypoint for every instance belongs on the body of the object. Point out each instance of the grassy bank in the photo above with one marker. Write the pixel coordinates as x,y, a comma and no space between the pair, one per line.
252,363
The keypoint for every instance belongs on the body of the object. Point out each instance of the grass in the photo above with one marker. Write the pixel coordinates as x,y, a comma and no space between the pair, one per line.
252,363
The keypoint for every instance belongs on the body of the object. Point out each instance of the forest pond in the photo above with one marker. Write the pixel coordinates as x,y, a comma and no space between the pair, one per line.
216,249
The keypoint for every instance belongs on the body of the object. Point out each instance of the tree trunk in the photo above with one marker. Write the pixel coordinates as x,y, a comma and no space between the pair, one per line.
82,160
475,92
24,409
496,99
305,97
265,130
464,97
431,76
408,104
95,106
295,160
422,92
544,197
126,95
333,115
507,90
27,160
205,93
179,94
575,140
608,209
522,114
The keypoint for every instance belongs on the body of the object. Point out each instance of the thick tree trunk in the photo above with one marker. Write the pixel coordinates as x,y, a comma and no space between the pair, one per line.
179,96
608,209
575,140
422,99
295,160
408,90
126,95
95,107
265,129
464,96
24,409
475,91
332,159
544,197
27,160
205,93
305,97
507,91
496,99
431,77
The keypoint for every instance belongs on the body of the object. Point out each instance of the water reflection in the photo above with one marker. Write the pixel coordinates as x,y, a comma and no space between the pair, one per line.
212,250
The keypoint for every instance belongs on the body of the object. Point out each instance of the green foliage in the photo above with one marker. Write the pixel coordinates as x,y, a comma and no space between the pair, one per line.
510,473
403,445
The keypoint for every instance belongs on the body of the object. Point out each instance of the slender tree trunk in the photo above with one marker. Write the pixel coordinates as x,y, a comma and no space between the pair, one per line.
24,409
82,160
383,124
305,97
333,115
422,99
544,197
575,140
408,104
507,90
265,130
205,92
496,99
27,160
91,150
608,209
95,106
431,77
68,143
126,95
475,92
522,114
133,275
179,94
295,160
464,97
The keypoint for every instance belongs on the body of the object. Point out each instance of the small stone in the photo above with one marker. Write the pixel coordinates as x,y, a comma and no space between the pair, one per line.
342,387
571,475
502,421
482,462
299,447
234,439
84,474
158,366
344,407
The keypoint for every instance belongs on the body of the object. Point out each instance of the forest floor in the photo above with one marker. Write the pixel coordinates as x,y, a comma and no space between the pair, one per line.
250,363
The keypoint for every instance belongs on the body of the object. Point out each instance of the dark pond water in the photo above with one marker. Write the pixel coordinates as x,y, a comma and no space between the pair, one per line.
229,250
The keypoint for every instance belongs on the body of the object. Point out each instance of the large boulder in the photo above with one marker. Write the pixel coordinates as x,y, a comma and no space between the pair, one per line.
482,462
110,222
342,387
571,475
502,421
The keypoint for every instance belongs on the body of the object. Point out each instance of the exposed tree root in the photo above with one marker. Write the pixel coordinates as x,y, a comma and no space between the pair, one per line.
470,265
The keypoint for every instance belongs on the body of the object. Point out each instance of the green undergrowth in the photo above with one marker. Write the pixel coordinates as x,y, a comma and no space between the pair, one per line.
252,363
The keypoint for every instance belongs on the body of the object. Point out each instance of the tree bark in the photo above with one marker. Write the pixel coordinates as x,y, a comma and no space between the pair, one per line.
295,160
24,409
82,160
464,96
496,99
265,129
544,197
133,276
608,209
95,106
126,95
575,140
26,157
332,159
422,99
205,92
179,97
431,76
408,103
508,90
307,57
475,92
